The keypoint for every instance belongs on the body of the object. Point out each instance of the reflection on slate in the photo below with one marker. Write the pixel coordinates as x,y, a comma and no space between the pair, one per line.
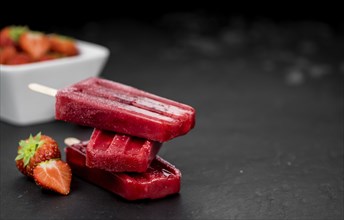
268,141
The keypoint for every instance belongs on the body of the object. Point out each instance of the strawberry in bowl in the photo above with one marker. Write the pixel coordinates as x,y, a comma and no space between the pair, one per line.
28,56
33,45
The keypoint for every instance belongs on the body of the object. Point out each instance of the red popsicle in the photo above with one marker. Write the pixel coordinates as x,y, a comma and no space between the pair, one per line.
112,106
120,153
160,180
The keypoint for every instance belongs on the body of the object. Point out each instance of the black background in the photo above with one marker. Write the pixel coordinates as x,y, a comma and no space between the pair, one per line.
68,14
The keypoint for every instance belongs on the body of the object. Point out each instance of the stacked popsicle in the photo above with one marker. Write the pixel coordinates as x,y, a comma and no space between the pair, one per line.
130,126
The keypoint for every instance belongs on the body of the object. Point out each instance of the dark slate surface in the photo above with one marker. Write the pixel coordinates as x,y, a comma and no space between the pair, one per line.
264,146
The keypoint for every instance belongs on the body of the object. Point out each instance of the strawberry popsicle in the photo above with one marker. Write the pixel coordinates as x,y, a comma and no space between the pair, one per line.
112,106
160,180
120,153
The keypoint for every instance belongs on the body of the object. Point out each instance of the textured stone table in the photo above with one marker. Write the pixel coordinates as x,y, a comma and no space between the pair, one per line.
262,148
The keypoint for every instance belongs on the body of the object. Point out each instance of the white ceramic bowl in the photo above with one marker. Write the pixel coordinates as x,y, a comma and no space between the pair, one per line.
21,106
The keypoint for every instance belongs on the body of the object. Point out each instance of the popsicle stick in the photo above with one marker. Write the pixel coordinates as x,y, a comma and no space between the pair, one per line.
42,89
71,140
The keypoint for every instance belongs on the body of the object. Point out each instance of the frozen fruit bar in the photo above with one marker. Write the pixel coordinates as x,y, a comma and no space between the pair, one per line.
112,106
120,153
160,180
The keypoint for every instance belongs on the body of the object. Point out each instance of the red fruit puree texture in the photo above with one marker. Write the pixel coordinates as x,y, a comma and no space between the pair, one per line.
112,106
160,180
120,153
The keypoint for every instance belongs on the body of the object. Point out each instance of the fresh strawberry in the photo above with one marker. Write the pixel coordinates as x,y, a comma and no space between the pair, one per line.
19,58
36,44
9,35
34,150
62,44
51,56
7,53
54,175
5,38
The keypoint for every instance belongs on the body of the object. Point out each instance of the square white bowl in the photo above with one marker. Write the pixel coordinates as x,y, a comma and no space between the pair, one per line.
21,106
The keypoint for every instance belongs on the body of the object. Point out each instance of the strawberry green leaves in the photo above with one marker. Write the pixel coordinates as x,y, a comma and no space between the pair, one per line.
28,148
16,31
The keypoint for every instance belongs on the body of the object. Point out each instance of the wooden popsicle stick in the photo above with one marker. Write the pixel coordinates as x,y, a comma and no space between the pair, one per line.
71,140
42,89
52,92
